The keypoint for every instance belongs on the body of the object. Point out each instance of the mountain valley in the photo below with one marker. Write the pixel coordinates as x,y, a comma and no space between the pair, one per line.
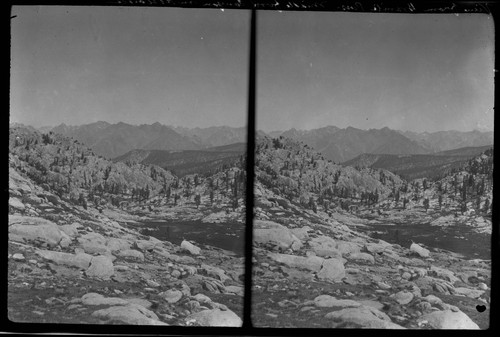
321,261
79,248
130,241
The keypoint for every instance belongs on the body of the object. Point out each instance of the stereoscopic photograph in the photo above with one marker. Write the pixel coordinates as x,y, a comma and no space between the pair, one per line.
131,145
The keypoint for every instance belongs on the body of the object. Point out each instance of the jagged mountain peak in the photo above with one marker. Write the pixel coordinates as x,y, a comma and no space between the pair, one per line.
340,145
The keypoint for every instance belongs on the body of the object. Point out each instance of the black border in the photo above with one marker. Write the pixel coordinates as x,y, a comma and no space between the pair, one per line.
485,7
252,100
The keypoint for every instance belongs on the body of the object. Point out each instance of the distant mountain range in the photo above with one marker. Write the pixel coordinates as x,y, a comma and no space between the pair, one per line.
113,140
341,145
449,140
418,165
337,144
215,135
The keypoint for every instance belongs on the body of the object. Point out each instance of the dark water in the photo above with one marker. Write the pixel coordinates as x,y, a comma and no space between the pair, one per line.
457,238
228,236
231,236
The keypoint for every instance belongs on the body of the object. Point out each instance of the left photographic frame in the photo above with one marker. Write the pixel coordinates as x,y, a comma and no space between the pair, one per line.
127,165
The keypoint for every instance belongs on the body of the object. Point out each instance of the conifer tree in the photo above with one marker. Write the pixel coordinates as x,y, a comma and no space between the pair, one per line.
486,206
426,204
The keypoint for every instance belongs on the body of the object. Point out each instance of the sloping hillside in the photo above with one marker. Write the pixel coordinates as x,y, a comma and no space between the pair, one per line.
302,175
73,171
181,163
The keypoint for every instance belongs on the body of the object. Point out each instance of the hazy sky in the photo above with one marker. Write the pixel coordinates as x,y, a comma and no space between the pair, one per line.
189,67
175,66
405,71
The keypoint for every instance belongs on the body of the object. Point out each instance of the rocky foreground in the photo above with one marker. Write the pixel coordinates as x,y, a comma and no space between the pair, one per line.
71,265
313,270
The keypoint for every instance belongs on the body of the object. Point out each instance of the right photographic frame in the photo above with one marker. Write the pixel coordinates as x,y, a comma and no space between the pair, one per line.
373,182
